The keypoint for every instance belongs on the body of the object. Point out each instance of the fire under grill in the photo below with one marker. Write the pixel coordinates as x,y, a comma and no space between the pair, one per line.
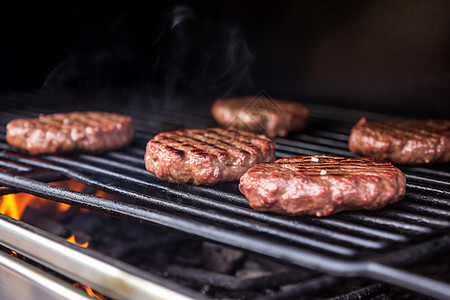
309,256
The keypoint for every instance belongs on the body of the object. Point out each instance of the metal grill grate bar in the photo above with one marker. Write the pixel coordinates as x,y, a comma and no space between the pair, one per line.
231,221
216,212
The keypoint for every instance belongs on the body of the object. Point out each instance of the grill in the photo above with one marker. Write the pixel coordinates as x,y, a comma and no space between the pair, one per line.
374,245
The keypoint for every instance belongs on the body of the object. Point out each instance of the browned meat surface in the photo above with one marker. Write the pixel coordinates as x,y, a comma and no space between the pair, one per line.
409,142
206,156
322,185
269,116
90,131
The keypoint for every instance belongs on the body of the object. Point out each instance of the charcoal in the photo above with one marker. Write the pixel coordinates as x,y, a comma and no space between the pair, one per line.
202,276
186,254
55,228
255,262
250,273
221,259
39,218
66,216
83,222
118,249
206,289
233,283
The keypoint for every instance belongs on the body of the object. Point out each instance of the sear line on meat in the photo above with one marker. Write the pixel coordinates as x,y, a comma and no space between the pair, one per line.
322,185
272,117
408,142
89,131
206,156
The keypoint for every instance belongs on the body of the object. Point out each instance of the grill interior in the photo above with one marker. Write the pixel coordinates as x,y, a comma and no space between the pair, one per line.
365,244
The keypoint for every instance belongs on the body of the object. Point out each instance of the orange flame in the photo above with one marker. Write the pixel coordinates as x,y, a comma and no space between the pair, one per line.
14,205
103,194
89,291
73,241
62,207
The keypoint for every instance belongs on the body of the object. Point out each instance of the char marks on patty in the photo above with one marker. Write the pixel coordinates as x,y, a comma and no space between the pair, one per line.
89,131
322,185
272,117
408,141
206,156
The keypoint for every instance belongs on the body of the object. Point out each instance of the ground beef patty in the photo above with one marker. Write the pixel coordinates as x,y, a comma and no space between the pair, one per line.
322,185
206,156
90,131
269,116
409,142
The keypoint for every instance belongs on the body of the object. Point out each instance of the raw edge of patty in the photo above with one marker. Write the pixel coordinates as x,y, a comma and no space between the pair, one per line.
87,131
276,118
322,185
206,156
407,142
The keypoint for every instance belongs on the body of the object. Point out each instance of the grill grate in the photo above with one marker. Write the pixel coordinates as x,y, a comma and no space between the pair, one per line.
359,243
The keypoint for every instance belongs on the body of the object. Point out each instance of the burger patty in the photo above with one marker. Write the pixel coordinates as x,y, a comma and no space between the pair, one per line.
272,117
322,185
206,156
409,142
90,131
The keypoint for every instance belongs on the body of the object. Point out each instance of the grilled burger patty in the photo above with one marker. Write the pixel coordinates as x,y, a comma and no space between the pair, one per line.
409,142
90,131
206,156
322,185
272,117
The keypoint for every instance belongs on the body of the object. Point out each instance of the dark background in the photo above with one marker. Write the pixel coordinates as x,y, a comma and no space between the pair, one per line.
383,56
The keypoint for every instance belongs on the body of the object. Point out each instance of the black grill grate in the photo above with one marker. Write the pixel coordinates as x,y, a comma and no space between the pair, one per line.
357,243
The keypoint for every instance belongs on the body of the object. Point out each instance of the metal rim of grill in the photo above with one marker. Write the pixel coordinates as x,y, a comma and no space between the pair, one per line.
370,244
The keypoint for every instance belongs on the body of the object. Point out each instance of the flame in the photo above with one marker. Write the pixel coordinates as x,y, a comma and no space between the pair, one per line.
103,194
100,193
71,185
89,291
14,205
62,207
73,241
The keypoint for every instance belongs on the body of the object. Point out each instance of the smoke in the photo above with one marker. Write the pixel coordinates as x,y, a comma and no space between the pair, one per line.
180,14
191,58
203,58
